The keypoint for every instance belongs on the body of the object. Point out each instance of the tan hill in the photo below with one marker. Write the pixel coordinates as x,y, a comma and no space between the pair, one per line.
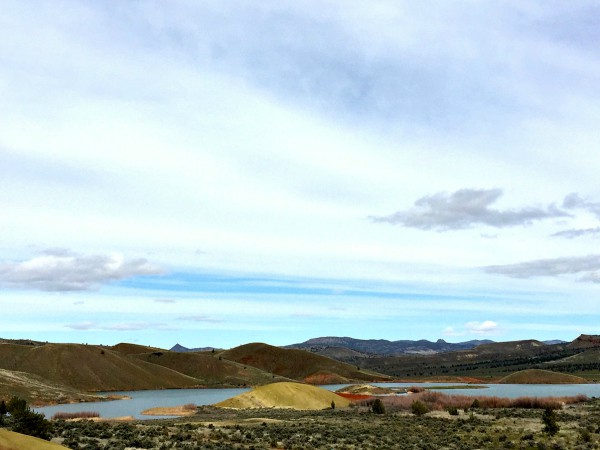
38,391
90,368
10,440
286,395
585,341
298,365
537,376
209,370
134,349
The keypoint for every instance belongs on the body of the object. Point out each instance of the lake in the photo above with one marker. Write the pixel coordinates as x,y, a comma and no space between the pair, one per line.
141,400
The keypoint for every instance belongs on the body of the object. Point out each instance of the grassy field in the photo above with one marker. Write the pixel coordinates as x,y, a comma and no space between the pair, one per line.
345,429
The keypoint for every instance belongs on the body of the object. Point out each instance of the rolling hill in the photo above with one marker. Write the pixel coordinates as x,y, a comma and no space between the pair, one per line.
537,376
286,395
89,368
209,370
299,365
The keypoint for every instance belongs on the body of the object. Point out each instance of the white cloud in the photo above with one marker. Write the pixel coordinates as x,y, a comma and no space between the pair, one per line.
486,327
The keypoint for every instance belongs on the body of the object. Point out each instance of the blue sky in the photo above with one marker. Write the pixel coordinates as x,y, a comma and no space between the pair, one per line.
215,173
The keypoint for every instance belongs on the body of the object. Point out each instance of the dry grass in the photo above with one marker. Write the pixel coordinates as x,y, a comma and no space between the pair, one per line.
188,409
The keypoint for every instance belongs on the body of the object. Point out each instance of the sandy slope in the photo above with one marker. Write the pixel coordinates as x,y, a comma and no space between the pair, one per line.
286,395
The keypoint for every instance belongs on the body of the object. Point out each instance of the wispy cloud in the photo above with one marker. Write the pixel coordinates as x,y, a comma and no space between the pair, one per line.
82,326
128,326
165,300
200,318
588,265
63,270
574,201
465,209
577,232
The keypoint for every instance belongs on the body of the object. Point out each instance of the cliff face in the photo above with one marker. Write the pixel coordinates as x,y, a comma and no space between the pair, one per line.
585,341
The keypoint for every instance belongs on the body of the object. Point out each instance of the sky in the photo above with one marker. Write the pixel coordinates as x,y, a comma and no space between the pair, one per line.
216,173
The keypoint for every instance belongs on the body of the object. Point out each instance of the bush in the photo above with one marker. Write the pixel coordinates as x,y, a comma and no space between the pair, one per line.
452,410
377,407
419,408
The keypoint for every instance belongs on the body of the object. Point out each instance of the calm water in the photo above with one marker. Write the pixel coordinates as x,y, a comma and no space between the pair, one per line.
141,400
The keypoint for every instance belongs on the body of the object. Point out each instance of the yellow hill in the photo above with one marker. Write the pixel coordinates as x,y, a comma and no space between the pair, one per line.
537,376
16,441
286,395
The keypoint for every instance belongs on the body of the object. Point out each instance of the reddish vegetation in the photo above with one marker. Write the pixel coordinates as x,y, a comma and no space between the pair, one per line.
75,415
416,389
436,401
354,397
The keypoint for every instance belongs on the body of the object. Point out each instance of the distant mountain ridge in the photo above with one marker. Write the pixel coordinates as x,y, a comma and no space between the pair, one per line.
383,347
181,349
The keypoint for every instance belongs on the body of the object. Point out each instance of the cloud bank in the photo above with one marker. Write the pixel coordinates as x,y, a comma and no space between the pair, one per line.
63,270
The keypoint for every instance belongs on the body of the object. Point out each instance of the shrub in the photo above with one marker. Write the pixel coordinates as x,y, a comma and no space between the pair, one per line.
378,407
419,408
416,389
452,410
550,424
23,420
